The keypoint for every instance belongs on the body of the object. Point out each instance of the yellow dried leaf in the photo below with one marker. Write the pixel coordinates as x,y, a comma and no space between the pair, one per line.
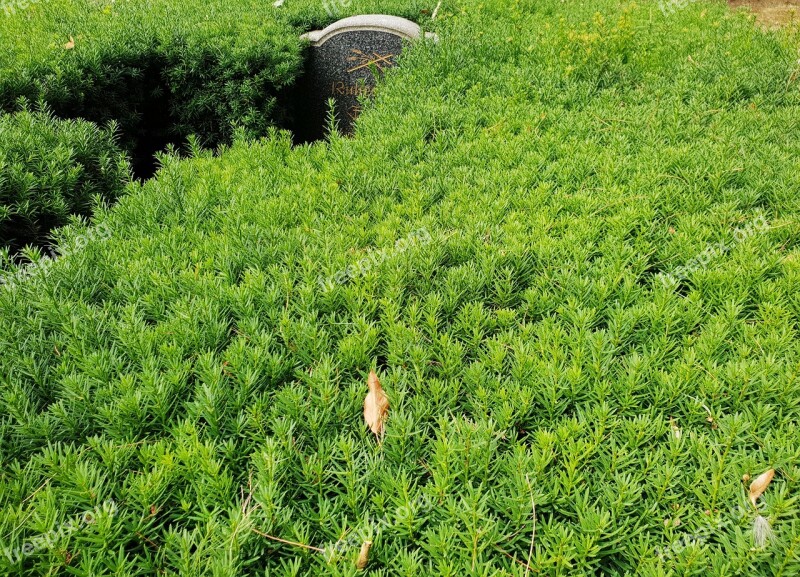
70,45
376,405
760,484
676,430
363,555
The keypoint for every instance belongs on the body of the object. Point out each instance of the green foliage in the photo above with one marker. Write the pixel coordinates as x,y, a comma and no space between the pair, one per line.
161,70
51,170
192,368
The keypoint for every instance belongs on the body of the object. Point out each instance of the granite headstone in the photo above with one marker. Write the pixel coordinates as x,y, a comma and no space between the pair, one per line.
344,59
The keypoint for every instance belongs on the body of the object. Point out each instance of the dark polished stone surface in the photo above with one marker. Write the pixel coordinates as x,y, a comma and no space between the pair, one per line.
344,61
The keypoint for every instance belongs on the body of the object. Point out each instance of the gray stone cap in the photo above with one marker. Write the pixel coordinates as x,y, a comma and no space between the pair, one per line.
368,22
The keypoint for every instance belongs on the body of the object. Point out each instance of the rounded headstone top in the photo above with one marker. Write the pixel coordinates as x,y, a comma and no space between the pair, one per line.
372,22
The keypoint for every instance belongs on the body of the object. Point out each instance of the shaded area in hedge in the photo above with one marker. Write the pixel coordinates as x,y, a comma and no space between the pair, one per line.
159,80
52,170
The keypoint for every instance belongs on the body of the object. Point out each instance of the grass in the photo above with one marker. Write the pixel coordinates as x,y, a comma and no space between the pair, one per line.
564,159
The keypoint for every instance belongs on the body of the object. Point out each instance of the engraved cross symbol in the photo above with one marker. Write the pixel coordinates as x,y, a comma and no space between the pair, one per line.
353,112
364,60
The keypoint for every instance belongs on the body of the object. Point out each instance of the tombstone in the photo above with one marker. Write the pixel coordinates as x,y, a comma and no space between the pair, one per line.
343,62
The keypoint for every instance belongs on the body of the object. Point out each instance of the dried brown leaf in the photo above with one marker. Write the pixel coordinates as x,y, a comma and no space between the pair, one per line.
363,555
70,45
760,484
376,406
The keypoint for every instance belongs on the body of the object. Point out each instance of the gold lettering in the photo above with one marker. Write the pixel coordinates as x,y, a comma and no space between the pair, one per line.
342,89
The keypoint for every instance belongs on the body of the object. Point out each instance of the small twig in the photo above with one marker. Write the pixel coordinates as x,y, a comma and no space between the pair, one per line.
699,402
246,502
247,509
32,495
293,543
533,534
515,560
143,538
30,514
436,10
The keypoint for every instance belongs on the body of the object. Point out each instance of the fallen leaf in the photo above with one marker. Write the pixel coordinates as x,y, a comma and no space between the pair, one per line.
376,405
760,484
363,555
70,45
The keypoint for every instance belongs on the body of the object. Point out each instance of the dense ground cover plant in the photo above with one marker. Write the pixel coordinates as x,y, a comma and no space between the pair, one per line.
51,170
194,369
162,70
195,67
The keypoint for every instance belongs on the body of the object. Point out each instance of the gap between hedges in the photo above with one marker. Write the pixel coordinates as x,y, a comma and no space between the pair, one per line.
157,94
159,100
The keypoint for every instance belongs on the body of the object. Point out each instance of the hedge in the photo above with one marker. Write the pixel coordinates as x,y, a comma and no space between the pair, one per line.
51,170
559,328
165,70
161,70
